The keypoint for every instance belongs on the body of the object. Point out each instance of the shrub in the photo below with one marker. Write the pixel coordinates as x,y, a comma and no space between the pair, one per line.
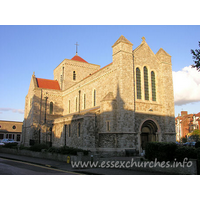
183,139
21,147
38,147
53,150
163,151
66,150
185,152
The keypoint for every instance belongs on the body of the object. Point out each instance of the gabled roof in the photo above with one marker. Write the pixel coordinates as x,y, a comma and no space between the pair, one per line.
47,84
122,39
162,51
78,58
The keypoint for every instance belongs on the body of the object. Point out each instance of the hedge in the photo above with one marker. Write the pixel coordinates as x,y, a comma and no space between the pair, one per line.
163,151
197,145
169,151
185,152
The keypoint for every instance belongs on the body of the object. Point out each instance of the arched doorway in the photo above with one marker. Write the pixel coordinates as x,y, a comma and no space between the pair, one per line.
148,132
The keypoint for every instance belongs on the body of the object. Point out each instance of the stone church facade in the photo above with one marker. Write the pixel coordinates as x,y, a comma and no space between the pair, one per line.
120,106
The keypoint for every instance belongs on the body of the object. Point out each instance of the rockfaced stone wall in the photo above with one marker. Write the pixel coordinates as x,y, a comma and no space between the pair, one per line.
101,108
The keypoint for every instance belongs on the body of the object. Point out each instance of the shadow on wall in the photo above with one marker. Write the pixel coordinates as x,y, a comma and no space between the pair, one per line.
106,126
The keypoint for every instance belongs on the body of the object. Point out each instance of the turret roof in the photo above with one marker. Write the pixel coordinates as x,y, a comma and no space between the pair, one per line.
78,58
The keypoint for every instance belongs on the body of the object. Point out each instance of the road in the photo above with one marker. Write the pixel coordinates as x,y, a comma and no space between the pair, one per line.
14,167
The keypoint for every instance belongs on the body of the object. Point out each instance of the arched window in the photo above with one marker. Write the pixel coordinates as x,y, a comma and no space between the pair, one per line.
94,100
146,84
153,85
74,75
79,130
138,83
51,108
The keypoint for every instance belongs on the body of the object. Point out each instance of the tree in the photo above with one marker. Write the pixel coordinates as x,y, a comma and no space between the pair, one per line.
195,135
183,139
196,57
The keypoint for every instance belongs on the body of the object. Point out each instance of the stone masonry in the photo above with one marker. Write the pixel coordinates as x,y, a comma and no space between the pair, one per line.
98,109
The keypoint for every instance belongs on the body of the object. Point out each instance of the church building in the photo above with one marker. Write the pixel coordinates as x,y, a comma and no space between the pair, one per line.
106,110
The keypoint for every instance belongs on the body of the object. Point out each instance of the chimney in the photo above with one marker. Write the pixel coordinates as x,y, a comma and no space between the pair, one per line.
183,113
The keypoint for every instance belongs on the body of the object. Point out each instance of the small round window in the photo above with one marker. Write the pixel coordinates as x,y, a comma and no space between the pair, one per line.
14,127
0,126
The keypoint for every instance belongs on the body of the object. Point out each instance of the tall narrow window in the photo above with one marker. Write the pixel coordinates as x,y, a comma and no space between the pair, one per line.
84,101
138,83
69,107
74,75
108,125
63,69
51,108
79,130
153,85
94,98
76,104
146,84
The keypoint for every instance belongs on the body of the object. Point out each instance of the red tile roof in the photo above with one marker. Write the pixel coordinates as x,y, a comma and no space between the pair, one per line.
78,58
48,84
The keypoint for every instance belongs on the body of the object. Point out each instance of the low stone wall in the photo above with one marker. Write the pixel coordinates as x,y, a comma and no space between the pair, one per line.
46,155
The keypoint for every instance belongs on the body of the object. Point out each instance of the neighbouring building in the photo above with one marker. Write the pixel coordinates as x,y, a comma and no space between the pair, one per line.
120,106
186,123
11,130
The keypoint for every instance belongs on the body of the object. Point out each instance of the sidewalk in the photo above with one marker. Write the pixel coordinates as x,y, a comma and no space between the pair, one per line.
67,167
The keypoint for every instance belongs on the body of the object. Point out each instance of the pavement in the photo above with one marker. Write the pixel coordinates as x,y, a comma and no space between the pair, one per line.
67,167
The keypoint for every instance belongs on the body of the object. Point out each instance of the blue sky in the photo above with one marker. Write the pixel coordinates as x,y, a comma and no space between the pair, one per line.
39,49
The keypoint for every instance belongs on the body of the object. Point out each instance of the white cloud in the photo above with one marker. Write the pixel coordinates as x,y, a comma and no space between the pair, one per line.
11,109
186,86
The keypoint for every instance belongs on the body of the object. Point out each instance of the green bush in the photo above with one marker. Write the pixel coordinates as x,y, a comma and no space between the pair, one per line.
53,150
38,147
185,152
163,151
21,147
183,139
66,150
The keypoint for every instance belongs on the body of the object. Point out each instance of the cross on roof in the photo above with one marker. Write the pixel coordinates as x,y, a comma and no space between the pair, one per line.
143,39
76,48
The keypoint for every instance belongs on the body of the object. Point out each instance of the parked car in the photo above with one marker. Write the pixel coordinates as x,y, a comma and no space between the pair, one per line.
1,143
6,141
